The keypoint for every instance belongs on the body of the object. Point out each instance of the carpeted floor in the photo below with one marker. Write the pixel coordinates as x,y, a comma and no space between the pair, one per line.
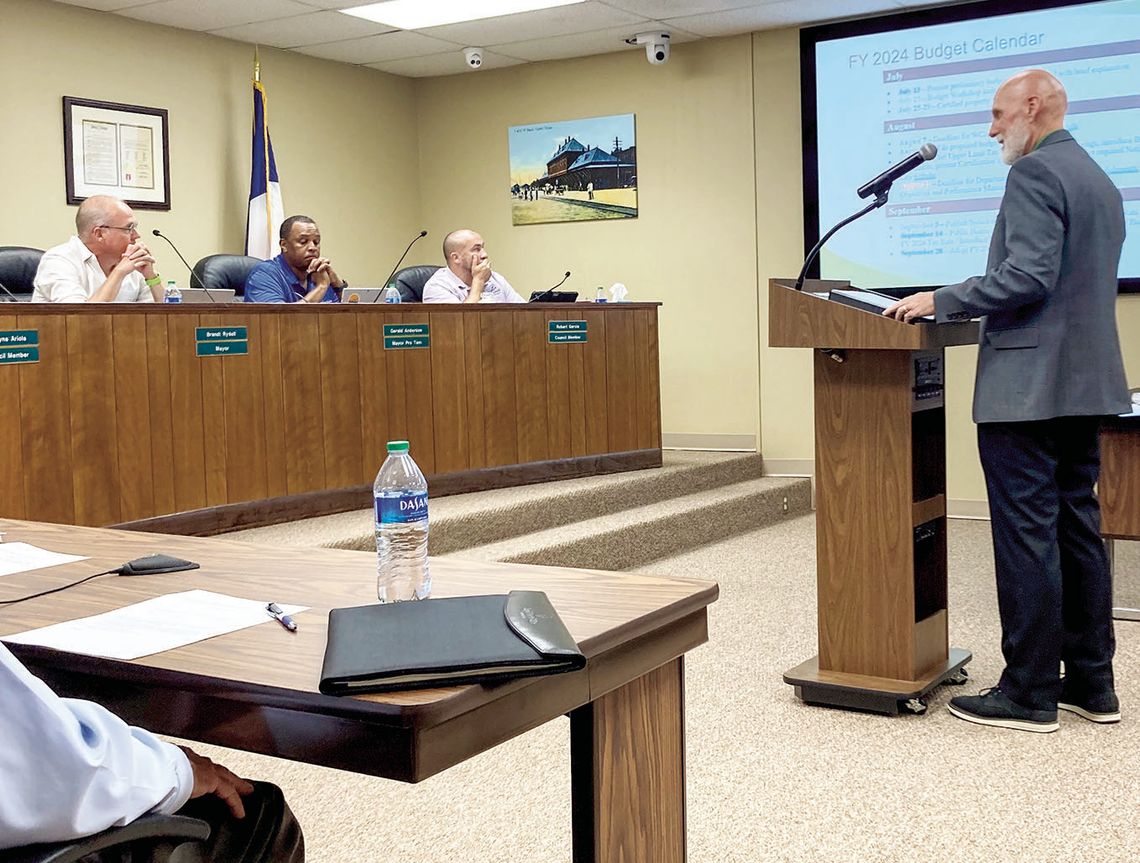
770,779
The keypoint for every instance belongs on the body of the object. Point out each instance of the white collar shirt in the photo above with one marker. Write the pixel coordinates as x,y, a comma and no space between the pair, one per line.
70,273
446,287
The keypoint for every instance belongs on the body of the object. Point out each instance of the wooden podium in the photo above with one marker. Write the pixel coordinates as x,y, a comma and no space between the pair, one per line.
880,467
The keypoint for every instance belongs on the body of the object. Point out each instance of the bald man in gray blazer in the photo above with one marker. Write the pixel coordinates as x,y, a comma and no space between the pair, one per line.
1049,366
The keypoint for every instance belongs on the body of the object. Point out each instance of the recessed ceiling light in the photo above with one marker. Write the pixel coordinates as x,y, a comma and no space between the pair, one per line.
417,14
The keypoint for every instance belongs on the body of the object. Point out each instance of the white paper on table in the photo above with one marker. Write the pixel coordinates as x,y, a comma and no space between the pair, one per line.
154,625
21,557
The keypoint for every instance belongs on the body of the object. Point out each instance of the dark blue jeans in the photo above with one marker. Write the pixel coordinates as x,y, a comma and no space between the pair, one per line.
1053,583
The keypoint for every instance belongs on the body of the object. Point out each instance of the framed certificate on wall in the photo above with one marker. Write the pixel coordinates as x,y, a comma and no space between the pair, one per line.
115,149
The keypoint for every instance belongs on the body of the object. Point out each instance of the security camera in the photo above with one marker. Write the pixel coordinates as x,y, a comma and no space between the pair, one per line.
474,57
656,46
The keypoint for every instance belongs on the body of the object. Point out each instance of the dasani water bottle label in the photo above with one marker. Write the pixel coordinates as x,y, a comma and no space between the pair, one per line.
405,508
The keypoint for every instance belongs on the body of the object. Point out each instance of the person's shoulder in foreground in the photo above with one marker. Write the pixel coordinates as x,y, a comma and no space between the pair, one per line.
71,768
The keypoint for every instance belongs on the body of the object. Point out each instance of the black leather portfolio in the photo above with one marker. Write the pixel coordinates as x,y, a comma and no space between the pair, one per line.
445,642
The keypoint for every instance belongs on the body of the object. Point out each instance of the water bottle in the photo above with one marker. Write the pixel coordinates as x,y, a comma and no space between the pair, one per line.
401,505
392,293
600,296
171,294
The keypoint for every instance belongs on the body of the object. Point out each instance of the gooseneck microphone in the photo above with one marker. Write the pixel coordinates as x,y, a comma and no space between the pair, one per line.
12,298
883,182
170,243
880,187
415,240
549,292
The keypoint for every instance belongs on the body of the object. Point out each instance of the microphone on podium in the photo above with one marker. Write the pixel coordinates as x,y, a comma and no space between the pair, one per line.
880,187
415,239
549,292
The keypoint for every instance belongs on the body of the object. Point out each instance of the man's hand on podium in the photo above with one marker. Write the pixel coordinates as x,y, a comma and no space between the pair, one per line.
918,305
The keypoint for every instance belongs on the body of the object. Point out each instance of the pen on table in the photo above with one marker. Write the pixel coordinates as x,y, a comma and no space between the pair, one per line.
281,617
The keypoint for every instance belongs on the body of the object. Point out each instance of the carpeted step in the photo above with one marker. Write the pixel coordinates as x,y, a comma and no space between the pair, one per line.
629,537
466,520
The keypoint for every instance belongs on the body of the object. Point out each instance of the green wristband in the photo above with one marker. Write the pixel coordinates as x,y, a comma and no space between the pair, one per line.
150,283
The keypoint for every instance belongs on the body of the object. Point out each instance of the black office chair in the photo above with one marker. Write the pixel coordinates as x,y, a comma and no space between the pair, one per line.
223,271
151,837
411,281
18,265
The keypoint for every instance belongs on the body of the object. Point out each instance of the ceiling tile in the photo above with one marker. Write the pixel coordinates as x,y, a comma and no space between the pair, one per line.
539,24
214,14
333,4
451,63
106,5
662,9
786,13
585,44
398,45
310,29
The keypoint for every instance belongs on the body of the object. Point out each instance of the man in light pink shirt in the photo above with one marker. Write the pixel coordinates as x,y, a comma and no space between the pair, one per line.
468,277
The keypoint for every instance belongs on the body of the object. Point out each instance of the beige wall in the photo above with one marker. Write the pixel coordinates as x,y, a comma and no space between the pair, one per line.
692,245
332,128
375,157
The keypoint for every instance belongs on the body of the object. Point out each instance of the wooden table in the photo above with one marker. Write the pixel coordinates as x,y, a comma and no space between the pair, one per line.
256,689
1119,491
126,414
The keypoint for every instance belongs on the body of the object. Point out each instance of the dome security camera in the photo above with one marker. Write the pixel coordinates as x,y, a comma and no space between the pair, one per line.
474,57
656,46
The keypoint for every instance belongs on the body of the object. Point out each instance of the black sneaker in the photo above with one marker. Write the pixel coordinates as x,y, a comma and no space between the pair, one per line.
993,707
1103,708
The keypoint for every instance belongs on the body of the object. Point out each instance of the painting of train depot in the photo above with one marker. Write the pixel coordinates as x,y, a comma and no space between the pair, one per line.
573,170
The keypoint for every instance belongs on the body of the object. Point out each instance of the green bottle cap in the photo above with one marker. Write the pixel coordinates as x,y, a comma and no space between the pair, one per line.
397,446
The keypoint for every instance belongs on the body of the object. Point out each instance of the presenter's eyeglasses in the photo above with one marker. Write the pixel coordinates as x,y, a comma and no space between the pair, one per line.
130,229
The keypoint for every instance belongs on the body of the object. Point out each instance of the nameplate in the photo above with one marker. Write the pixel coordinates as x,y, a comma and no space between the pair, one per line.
564,332
221,341
221,349
404,336
19,338
221,334
19,355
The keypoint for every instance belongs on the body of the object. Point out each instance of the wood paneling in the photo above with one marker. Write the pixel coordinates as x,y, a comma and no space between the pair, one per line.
340,401
530,390
122,421
500,431
161,419
1119,485
303,413
11,443
94,419
449,393
132,416
188,417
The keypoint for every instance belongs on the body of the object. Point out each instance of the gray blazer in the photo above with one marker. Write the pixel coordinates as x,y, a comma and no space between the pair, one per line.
1048,345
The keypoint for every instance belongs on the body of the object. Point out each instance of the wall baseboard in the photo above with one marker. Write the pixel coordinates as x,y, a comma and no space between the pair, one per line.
718,442
789,467
966,508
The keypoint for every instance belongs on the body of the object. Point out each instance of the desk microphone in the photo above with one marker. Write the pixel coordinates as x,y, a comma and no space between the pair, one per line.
11,297
549,292
417,237
159,233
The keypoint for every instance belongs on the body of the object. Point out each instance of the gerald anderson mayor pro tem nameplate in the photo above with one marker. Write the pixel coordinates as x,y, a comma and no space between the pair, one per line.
403,336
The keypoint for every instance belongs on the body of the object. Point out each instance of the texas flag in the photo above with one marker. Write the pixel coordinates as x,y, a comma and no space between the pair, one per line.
266,212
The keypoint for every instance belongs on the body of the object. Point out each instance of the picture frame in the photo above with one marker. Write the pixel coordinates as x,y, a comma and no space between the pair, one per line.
110,148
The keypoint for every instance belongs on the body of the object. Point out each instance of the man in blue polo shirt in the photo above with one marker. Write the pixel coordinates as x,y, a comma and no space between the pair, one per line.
299,274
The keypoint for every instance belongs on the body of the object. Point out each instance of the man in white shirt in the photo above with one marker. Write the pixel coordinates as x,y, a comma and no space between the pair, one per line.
70,768
105,262
467,278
